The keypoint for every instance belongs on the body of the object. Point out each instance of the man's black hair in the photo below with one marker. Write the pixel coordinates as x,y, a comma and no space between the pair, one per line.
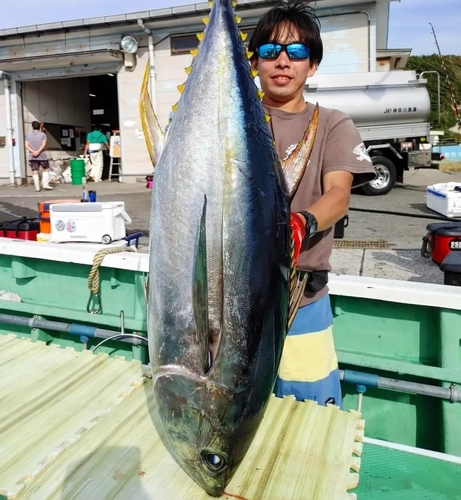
300,16
35,125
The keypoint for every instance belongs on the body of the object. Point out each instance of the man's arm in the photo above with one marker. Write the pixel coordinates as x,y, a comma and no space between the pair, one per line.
41,148
32,151
333,205
345,164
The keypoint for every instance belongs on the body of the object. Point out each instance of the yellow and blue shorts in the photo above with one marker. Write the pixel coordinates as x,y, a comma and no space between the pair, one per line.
309,365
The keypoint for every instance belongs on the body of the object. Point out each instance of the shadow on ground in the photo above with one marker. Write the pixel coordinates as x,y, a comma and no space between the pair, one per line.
9,212
406,265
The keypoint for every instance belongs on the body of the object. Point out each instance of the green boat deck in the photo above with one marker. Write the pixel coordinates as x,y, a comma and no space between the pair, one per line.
76,425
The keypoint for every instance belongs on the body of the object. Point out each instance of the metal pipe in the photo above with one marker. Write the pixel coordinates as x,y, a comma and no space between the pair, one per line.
152,74
70,328
451,394
9,127
438,91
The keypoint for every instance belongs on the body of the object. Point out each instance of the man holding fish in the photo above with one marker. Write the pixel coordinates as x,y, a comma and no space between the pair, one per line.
287,49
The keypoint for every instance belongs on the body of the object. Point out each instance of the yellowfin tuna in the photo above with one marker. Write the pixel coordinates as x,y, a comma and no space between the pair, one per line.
222,288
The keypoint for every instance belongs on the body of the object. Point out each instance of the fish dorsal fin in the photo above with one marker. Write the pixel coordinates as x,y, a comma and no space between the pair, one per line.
295,165
153,133
200,293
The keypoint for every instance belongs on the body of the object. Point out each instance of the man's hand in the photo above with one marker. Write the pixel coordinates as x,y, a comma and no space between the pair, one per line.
35,153
298,229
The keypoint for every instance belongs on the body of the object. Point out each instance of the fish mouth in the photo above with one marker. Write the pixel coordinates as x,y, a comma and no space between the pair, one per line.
209,469
216,467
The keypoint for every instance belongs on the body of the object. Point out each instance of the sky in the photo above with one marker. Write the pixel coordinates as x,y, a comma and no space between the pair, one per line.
409,23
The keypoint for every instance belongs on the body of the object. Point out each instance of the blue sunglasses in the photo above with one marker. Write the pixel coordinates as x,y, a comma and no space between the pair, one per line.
296,51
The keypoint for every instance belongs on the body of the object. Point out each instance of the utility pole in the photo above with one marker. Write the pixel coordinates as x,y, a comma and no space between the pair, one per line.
450,87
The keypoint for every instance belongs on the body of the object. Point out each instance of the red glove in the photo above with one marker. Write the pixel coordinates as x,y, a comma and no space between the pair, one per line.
298,229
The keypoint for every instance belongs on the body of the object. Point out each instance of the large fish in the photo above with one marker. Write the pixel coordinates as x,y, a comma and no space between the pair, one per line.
222,289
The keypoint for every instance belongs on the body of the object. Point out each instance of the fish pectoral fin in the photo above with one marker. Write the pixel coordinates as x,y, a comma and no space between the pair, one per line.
153,133
295,165
200,292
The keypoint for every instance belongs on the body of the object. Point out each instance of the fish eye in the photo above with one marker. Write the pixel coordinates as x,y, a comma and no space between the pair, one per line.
213,461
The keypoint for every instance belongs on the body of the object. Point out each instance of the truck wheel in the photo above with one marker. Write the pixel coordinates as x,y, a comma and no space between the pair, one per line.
386,177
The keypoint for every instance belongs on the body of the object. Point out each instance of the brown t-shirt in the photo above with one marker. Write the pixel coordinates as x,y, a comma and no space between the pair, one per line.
338,146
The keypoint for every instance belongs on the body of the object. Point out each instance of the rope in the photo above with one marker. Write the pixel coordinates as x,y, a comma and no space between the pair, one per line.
93,277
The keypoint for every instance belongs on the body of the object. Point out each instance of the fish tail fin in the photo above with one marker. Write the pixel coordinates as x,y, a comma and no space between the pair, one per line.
200,291
153,133
295,165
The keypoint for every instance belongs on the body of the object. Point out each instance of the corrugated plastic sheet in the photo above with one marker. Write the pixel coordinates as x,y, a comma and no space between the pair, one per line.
75,425
397,475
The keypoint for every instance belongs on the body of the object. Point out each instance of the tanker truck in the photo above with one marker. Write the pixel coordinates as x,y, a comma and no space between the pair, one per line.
391,111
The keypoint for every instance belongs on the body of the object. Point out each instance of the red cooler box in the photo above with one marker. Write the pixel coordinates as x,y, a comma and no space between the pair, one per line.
21,229
441,239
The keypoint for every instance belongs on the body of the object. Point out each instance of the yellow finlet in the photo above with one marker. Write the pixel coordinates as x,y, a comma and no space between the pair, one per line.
234,3
175,107
210,3
254,72
268,119
200,36
181,87
243,36
261,94
194,52
188,70
249,54
206,20
238,19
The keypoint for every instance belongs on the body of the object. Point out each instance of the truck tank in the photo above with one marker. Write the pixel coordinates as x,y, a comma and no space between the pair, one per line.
373,99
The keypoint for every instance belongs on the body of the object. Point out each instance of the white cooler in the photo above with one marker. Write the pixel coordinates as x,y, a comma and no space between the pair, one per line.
88,222
445,198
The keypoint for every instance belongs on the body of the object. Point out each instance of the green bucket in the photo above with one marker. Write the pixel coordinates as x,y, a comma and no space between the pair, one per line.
77,171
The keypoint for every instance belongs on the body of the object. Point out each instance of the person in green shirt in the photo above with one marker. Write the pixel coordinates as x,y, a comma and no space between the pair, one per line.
93,148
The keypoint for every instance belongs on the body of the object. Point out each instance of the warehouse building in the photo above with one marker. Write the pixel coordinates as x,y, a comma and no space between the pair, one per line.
72,75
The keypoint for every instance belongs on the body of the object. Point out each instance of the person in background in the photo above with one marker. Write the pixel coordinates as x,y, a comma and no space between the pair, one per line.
95,140
36,145
287,50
